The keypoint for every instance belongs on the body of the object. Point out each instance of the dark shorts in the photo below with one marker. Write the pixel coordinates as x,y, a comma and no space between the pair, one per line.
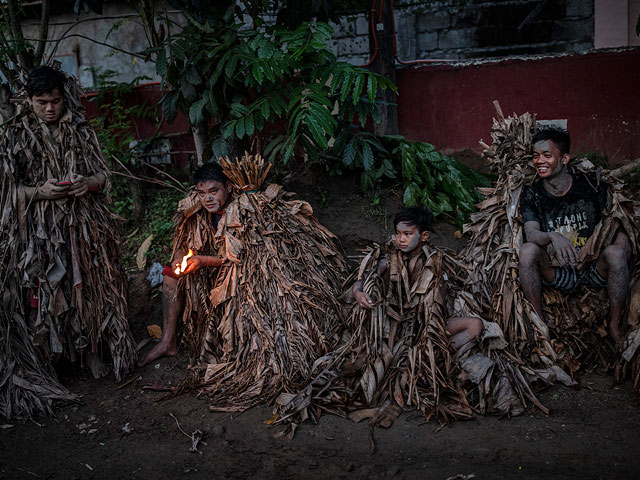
568,278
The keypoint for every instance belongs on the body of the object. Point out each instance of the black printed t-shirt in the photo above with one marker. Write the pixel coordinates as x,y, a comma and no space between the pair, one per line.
573,215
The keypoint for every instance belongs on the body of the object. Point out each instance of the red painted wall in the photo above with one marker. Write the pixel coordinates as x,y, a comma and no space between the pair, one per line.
178,132
598,93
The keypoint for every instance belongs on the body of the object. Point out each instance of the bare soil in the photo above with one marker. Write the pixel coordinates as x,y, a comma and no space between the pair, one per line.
137,433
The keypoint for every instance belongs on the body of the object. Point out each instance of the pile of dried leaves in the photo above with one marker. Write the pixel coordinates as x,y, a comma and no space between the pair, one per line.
61,252
273,309
573,332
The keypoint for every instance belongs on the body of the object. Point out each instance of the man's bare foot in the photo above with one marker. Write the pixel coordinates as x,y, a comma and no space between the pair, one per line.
160,350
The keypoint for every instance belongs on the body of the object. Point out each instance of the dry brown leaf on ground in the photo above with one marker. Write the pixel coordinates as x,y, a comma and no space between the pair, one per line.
141,255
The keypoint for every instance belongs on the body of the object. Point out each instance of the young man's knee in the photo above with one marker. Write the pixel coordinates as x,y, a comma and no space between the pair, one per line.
475,327
615,256
169,283
529,254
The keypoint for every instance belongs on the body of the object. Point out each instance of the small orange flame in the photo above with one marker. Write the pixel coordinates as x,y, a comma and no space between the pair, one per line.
181,267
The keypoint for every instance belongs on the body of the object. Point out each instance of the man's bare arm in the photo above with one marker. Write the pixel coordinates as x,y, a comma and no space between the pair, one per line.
196,262
566,252
363,299
49,190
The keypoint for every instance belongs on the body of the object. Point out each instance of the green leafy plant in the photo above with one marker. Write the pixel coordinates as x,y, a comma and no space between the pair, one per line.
264,82
429,179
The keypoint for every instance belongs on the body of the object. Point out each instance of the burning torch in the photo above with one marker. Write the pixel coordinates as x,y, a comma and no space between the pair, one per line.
181,267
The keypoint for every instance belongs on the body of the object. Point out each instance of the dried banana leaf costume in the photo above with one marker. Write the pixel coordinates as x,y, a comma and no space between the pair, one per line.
397,356
274,307
63,293
573,332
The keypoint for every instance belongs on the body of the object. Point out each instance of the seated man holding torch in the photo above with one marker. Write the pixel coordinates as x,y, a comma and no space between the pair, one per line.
196,224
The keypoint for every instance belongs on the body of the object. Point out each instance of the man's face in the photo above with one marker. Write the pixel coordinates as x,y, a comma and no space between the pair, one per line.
547,159
213,195
48,106
408,237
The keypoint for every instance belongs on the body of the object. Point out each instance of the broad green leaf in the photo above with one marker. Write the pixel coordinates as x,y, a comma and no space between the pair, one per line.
357,88
229,128
372,88
195,112
192,76
349,154
170,106
240,128
346,86
248,125
367,157
161,63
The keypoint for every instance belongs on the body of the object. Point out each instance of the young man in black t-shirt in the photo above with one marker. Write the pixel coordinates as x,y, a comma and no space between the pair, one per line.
562,210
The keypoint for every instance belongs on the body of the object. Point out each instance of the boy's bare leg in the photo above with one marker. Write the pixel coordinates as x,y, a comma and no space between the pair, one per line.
172,307
613,266
463,330
534,266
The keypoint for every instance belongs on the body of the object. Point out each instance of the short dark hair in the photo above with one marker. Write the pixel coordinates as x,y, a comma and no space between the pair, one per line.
44,79
559,136
209,172
418,216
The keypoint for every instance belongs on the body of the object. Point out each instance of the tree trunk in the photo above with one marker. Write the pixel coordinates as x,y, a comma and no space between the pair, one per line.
385,64
137,195
201,140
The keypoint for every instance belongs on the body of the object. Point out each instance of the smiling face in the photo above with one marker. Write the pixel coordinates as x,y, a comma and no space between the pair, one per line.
547,159
213,195
408,237
48,106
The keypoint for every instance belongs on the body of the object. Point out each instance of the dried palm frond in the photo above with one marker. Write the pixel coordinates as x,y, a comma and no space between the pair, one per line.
571,333
274,307
247,173
64,253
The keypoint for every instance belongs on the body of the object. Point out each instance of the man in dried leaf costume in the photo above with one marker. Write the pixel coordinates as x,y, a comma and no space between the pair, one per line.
196,223
254,325
561,211
556,332
63,294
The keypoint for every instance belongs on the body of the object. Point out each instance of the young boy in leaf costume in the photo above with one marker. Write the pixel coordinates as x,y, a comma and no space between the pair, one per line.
403,350
560,211
412,226
196,223
63,292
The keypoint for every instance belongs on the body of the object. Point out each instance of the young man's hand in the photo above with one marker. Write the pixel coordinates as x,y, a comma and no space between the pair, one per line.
50,190
363,300
565,251
196,262
79,185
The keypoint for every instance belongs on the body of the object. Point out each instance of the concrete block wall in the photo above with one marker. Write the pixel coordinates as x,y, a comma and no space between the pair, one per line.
460,30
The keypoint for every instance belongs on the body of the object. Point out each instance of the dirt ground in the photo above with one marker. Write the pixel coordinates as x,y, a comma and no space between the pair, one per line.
137,433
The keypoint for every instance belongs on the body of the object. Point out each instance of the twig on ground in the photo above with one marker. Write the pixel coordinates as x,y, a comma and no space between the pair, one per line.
158,388
129,382
196,436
